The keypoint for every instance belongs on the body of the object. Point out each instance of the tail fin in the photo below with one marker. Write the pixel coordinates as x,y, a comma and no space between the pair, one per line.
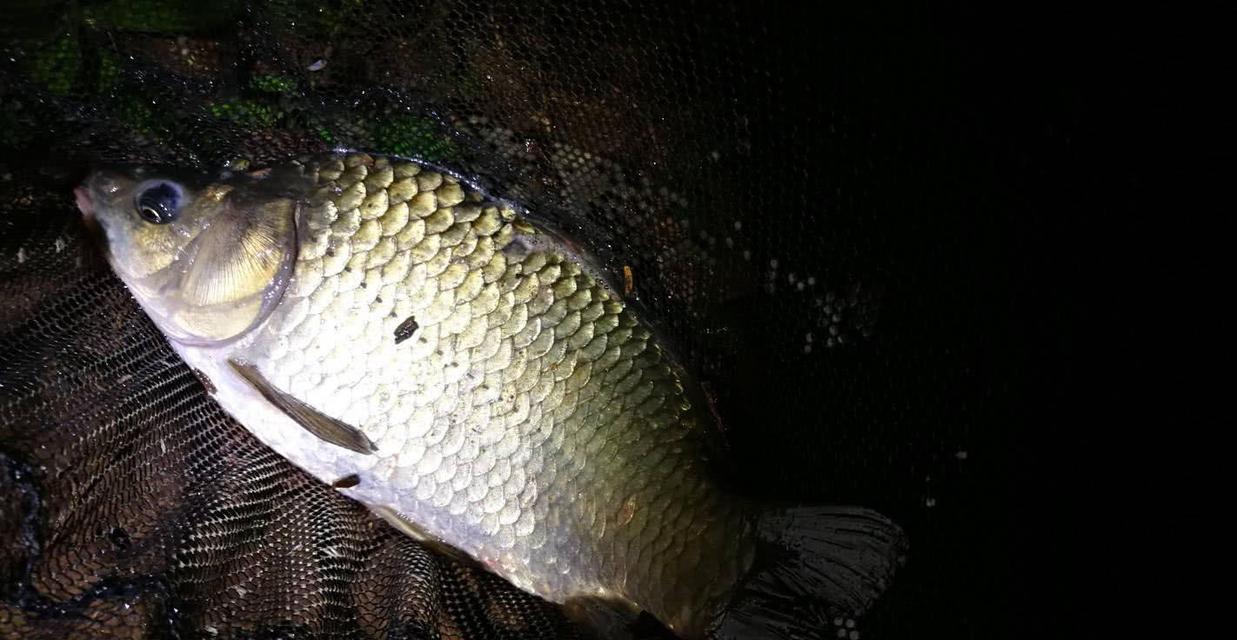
820,567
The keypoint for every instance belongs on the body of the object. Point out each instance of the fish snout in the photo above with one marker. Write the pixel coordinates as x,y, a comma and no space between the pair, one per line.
96,197
85,202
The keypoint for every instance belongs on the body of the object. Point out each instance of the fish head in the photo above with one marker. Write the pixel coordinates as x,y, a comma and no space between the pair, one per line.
206,258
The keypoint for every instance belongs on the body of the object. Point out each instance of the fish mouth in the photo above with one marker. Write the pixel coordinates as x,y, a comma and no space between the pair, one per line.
95,228
86,204
92,197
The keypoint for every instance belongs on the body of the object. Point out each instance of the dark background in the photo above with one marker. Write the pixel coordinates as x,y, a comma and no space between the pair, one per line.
1010,157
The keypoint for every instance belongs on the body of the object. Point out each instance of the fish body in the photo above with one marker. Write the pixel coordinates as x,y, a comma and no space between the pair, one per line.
376,320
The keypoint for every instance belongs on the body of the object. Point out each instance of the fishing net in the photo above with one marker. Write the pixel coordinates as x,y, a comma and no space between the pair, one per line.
801,200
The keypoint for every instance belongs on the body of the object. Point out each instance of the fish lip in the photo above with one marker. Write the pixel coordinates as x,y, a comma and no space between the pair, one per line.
95,229
85,202
94,192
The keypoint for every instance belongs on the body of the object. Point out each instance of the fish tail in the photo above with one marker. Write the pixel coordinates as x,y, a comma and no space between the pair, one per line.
816,570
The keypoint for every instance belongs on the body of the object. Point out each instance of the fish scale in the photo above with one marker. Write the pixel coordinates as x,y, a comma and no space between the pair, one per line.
527,326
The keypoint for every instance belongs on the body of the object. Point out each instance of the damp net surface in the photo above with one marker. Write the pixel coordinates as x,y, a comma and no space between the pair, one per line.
800,199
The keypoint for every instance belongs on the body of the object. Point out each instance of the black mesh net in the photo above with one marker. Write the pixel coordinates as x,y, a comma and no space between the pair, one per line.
801,199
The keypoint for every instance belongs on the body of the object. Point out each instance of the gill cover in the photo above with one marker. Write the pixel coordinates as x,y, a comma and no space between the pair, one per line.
227,279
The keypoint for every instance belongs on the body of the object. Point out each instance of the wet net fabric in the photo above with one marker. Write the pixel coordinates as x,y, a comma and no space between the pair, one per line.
783,192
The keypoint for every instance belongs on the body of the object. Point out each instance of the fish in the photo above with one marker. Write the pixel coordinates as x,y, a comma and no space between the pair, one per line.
438,355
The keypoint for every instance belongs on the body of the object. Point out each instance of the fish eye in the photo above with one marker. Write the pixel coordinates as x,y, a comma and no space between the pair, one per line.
158,201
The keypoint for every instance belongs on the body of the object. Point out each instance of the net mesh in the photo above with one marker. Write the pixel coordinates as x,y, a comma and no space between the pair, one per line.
783,192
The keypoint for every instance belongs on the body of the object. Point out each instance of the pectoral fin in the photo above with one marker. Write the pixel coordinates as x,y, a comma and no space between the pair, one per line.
321,425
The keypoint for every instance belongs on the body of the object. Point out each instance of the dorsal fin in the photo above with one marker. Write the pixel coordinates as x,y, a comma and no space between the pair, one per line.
324,427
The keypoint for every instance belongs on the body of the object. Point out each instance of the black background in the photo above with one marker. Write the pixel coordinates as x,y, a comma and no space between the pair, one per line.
1035,192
